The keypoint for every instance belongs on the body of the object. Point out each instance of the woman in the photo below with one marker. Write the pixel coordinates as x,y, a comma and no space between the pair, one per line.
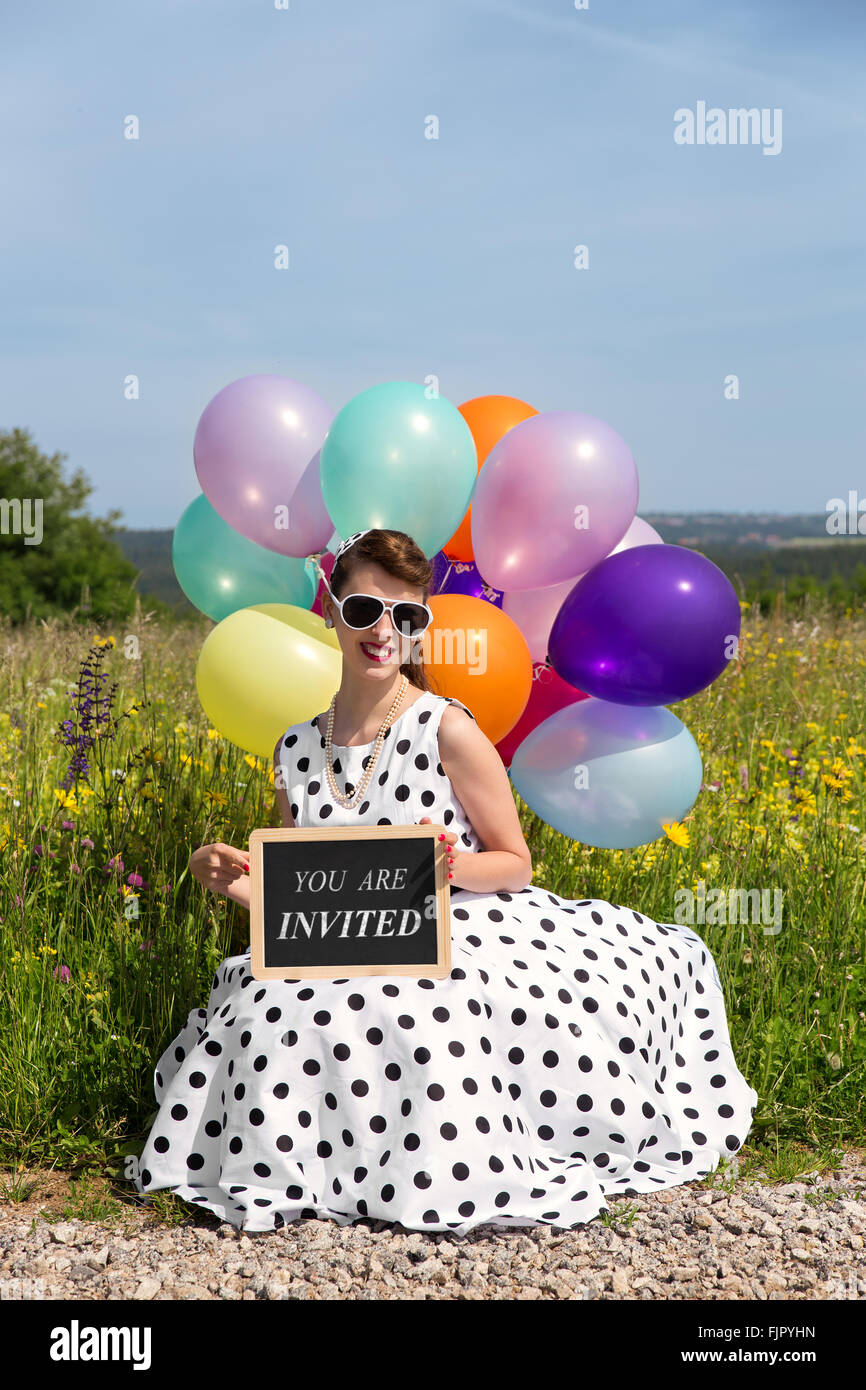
576,1049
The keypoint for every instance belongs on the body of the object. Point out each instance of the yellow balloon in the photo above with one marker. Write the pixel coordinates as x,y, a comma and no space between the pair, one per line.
264,668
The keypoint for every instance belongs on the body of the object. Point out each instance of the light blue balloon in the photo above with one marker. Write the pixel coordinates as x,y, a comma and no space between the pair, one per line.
394,458
609,775
221,571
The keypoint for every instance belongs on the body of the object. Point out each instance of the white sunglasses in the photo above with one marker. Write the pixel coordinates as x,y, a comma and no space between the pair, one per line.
359,611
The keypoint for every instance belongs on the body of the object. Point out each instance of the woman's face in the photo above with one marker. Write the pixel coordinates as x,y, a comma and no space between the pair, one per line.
375,651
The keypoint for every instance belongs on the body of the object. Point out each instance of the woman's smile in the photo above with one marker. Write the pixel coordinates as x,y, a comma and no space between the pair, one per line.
377,651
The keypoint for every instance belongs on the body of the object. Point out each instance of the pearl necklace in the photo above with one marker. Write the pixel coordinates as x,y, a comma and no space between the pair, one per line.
348,802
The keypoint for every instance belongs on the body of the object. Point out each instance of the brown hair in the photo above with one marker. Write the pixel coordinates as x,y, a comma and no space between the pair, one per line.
400,557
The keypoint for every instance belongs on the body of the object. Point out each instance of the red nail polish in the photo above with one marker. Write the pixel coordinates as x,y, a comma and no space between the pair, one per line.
450,875
246,866
441,837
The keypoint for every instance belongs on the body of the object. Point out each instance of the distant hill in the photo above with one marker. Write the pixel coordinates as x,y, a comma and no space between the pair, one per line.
760,552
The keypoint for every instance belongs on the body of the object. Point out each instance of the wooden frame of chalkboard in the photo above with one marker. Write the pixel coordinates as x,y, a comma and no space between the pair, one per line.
299,876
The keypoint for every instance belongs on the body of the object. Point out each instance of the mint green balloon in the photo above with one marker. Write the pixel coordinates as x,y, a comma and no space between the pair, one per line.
396,459
221,571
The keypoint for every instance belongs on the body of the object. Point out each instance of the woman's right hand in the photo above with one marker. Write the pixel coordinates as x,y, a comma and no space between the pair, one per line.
218,866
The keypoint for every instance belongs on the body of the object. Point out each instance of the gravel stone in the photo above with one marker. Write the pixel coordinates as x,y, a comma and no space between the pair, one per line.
756,1241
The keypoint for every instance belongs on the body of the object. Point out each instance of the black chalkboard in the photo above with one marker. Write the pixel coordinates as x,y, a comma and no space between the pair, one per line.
331,904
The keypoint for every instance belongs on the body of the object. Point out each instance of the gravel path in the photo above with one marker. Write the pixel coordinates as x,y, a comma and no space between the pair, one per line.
759,1241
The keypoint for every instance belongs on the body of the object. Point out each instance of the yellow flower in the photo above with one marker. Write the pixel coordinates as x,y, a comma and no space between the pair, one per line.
40,704
66,797
676,832
217,797
213,733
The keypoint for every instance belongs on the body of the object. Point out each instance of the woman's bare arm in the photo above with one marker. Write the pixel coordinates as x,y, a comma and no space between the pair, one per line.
481,785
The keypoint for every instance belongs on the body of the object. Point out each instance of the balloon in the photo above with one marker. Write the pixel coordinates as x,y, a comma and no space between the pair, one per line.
608,775
397,459
461,577
327,563
552,499
549,693
489,418
220,571
256,455
264,668
535,609
649,626
474,653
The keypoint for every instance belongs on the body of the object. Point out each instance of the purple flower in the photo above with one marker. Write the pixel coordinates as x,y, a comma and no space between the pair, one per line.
135,881
75,868
67,825
62,972
37,849
87,843
115,863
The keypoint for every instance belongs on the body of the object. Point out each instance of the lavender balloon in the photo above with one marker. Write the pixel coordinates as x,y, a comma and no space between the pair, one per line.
647,626
256,453
461,577
552,498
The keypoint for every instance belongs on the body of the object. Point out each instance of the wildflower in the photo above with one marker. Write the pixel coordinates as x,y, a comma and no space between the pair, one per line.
676,832
91,714
67,825
75,868
62,972
115,863
136,881
87,843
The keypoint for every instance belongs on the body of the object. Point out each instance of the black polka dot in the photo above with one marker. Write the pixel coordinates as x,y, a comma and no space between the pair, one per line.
449,1086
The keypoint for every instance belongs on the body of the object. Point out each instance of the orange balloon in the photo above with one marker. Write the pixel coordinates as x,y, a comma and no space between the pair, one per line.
476,653
489,418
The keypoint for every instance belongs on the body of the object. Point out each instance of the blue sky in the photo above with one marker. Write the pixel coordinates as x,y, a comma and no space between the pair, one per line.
453,256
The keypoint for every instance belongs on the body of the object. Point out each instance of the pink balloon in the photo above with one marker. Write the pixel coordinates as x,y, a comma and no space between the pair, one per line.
256,453
552,498
549,693
533,610
639,533
327,563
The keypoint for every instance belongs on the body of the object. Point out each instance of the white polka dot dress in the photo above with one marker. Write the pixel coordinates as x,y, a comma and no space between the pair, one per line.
577,1050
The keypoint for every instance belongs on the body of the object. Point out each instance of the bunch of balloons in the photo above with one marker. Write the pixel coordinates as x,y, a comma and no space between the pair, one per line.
560,617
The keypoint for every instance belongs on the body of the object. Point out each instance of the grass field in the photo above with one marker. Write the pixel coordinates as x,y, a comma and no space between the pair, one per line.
108,942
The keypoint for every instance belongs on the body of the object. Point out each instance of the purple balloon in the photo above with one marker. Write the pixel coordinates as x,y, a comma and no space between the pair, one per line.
461,577
646,626
256,453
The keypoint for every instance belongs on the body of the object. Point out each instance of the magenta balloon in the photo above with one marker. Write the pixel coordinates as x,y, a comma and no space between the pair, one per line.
549,693
327,562
551,499
648,626
256,453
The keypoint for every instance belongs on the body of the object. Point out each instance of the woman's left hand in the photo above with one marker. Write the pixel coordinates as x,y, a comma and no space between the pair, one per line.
451,839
